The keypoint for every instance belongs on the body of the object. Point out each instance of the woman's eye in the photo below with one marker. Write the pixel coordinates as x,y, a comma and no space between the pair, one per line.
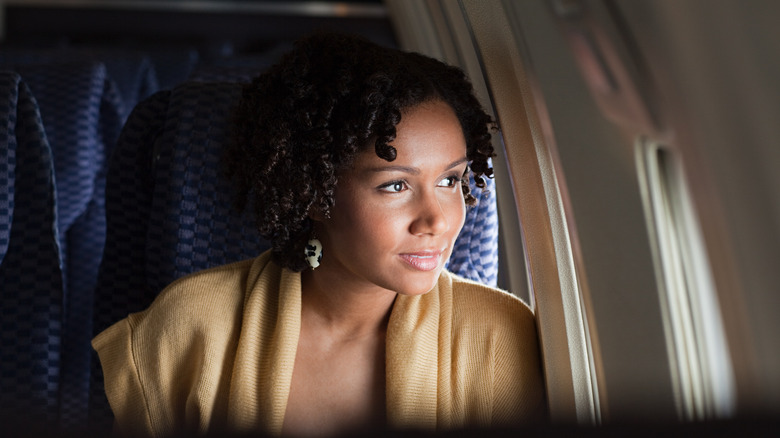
449,181
394,187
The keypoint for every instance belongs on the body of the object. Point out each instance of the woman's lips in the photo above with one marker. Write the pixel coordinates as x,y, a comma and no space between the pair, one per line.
423,260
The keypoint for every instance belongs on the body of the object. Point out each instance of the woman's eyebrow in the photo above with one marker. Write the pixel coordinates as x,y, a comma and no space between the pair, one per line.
457,163
413,170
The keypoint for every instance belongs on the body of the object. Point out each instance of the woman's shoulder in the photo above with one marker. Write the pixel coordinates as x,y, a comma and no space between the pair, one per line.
151,358
477,304
497,331
205,301
212,286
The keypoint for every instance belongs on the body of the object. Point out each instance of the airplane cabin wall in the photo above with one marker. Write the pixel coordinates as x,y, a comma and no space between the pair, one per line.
715,65
604,206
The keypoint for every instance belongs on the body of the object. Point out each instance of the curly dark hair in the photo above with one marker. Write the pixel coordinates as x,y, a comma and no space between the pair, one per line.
301,123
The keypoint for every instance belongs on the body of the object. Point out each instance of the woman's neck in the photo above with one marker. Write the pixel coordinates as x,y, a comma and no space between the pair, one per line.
344,310
338,381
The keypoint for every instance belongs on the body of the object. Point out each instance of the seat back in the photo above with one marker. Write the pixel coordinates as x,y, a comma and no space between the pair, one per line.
172,63
193,225
168,204
131,72
475,253
31,284
81,114
122,286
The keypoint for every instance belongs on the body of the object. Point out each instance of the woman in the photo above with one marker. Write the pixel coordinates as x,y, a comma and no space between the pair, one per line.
355,159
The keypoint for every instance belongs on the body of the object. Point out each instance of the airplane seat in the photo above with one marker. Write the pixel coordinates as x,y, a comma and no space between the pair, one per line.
122,281
193,225
168,206
172,63
31,281
81,115
131,70
475,253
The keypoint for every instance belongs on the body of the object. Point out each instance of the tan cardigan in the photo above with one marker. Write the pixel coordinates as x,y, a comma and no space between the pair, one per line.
216,350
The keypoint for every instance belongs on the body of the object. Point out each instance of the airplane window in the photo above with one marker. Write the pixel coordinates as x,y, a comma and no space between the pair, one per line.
699,356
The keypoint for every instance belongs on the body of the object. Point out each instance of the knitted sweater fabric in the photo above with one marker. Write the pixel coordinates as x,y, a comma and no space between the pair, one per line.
215,352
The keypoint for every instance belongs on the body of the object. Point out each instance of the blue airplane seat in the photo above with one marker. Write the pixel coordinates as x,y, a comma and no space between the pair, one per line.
131,70
31,282
475,253
172,63
122,281
167,212
193,225
82,115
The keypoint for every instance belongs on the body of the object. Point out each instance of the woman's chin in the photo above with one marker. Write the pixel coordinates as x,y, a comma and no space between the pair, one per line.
420,288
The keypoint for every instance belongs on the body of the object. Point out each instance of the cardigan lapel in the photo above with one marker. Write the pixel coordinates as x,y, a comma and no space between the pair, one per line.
413,361
265,358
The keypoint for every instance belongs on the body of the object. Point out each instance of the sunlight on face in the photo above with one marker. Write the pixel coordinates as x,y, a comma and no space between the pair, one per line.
394,224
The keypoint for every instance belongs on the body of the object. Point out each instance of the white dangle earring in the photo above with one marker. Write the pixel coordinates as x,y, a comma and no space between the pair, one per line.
313,252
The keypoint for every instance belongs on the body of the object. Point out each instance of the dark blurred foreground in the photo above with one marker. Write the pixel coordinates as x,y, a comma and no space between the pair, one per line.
758,427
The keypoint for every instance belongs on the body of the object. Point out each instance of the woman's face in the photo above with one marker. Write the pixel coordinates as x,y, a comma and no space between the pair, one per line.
393,224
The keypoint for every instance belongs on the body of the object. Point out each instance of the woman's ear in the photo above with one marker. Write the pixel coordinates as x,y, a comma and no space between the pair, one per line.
318,211
316,214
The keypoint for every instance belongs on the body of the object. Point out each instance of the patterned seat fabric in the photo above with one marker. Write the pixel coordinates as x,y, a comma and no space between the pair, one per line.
475,254
172,63
131,73
193,225
122,282
131,70
82,115
167,212
31,285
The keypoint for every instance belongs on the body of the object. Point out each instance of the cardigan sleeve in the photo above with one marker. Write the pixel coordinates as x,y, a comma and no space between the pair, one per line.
497,350
123,386
518,383
167,369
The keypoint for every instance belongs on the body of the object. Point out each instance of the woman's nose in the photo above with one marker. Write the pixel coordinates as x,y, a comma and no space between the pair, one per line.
430,217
